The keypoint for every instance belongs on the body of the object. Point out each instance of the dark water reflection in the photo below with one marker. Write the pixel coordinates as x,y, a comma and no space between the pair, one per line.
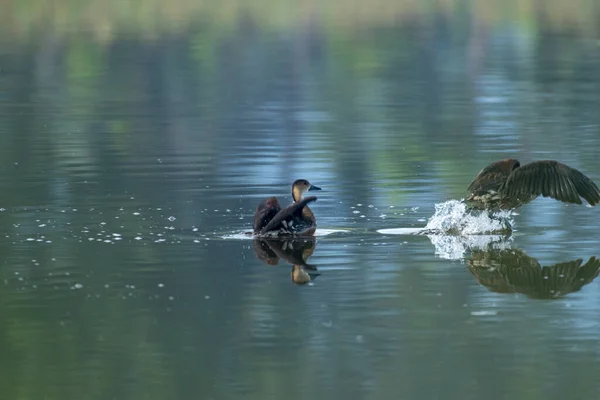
512,271
133,156
294,251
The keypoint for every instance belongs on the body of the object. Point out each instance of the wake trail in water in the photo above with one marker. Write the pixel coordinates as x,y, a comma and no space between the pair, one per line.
453,218
455,230
248,235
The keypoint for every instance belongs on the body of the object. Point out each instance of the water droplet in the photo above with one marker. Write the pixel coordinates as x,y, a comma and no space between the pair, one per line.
483,313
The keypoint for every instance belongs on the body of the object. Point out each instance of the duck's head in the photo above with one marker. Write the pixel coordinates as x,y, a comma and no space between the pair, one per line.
301,186
301,275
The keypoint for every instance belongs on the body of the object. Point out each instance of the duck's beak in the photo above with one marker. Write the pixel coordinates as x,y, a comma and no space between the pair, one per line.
313,187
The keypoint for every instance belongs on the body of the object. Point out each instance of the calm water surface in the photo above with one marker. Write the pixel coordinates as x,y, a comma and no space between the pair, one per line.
131,163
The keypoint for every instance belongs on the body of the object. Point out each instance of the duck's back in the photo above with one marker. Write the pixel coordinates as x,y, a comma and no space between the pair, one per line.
265,212
296,219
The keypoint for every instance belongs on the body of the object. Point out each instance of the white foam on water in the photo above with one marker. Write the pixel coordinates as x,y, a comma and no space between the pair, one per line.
325,232
400,231
452,217
452,247
243,235
484,313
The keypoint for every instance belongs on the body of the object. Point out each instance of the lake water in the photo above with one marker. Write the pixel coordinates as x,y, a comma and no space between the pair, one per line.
135,144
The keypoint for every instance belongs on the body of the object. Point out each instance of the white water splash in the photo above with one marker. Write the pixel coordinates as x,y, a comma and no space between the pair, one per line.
452,217
452,247
239,235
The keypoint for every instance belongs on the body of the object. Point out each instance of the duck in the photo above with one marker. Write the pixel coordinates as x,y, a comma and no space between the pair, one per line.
506,185
270,219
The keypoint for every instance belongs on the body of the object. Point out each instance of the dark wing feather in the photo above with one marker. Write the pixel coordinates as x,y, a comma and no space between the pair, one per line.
588,271
491,177
556,280
551,179
295,210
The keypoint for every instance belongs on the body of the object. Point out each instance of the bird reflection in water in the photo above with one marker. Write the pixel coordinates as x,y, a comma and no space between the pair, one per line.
513,271
294,251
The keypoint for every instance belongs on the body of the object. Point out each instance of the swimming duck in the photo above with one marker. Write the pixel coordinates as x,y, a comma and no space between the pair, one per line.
506,185
297,219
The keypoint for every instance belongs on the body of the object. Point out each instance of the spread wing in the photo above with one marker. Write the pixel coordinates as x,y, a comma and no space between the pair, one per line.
554,281
295,210
551,179
510,271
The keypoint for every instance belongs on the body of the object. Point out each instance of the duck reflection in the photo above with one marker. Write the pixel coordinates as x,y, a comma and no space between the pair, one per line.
513,271
294,251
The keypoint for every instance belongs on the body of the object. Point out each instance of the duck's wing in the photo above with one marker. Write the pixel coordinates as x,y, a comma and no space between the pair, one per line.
266,210
588,272
511,270
554,281
491,177
295,210
551,179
